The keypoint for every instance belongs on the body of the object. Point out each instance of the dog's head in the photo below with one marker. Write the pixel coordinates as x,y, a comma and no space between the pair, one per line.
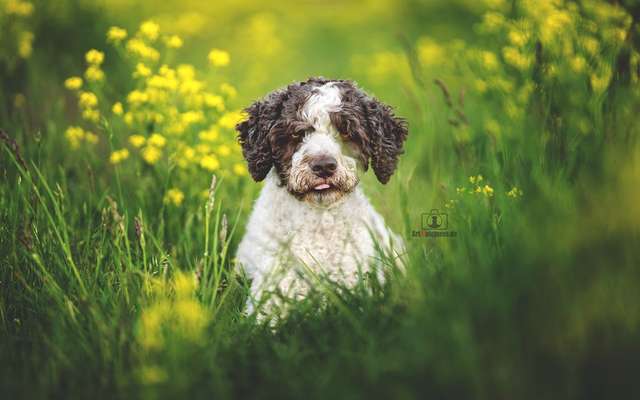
318,135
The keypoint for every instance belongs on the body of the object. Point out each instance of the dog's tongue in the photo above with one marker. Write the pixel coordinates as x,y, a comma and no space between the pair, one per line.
322,187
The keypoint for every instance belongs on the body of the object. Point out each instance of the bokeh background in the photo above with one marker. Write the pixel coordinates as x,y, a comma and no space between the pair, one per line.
116,250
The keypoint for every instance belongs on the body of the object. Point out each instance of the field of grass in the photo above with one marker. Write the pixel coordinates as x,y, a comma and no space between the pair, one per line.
116,251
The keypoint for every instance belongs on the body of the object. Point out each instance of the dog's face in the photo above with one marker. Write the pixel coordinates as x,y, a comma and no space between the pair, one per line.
319,135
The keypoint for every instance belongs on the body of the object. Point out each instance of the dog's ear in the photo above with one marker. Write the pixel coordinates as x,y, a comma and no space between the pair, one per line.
253,134
387,134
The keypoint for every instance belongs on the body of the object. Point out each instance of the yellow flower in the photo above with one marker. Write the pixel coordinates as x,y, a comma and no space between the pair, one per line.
239,169
429,52
91,137
19,100
174,196
515,192
116,34
157,140
489,60
141,71
219,58
152,374
94,57
517,38
184,284
139,48
230,119
137,140
74,135
25,44
209,163
515,58
487,190
118,156
492,127
480,85
475,179
94,74
151,154
91,115
73,83
17,7
87,100
117,108
150,30
214,101
223,150
577,64
228,90
173,42
137,97
209,135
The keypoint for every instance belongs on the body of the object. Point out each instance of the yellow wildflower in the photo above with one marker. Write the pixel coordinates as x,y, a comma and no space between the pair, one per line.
91,115
116,34
94,57
151,154
137,97
429,51
157,140
219,58
231,118
489,60
117,108
150,30
487,190
174,196
74,135
73,83
118,156
139,48
141,71
209,163
210,134
25,44
137,140
577,64
19,100
94,74
87,100
214,101
239,169
228,90
515,58
223,150
517,38
173,42
515,192
90,137
492,127
17,7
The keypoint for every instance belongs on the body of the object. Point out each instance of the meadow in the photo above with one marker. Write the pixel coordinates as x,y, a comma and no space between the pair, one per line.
123,196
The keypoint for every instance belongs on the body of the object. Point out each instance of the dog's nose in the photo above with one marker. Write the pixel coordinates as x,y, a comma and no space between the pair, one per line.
324,166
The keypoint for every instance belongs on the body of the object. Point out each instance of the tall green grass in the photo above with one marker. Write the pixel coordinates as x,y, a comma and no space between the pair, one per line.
105,291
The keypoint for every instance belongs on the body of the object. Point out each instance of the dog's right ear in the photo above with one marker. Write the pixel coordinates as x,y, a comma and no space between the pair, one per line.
253,137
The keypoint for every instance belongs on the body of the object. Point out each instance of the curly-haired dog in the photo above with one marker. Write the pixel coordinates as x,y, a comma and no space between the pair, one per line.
309,141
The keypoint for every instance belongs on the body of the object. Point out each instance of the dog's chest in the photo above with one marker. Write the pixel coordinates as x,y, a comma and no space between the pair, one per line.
326,238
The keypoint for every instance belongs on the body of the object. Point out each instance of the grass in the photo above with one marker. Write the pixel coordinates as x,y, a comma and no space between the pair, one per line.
108,291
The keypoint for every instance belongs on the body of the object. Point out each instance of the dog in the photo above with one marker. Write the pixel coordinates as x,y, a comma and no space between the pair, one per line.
309,142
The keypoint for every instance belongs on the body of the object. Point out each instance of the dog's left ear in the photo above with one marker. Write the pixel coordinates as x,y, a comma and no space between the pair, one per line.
253,133
387,134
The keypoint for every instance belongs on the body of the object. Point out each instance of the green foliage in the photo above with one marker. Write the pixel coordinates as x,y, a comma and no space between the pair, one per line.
116,272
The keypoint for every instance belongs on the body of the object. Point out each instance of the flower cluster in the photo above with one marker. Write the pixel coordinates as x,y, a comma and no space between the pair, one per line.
16,41
173,316
478,186
171,116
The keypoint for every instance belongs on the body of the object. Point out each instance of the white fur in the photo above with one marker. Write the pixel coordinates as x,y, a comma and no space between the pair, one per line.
288,240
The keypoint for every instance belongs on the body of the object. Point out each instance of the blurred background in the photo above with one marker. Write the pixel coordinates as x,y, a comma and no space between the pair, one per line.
522,130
